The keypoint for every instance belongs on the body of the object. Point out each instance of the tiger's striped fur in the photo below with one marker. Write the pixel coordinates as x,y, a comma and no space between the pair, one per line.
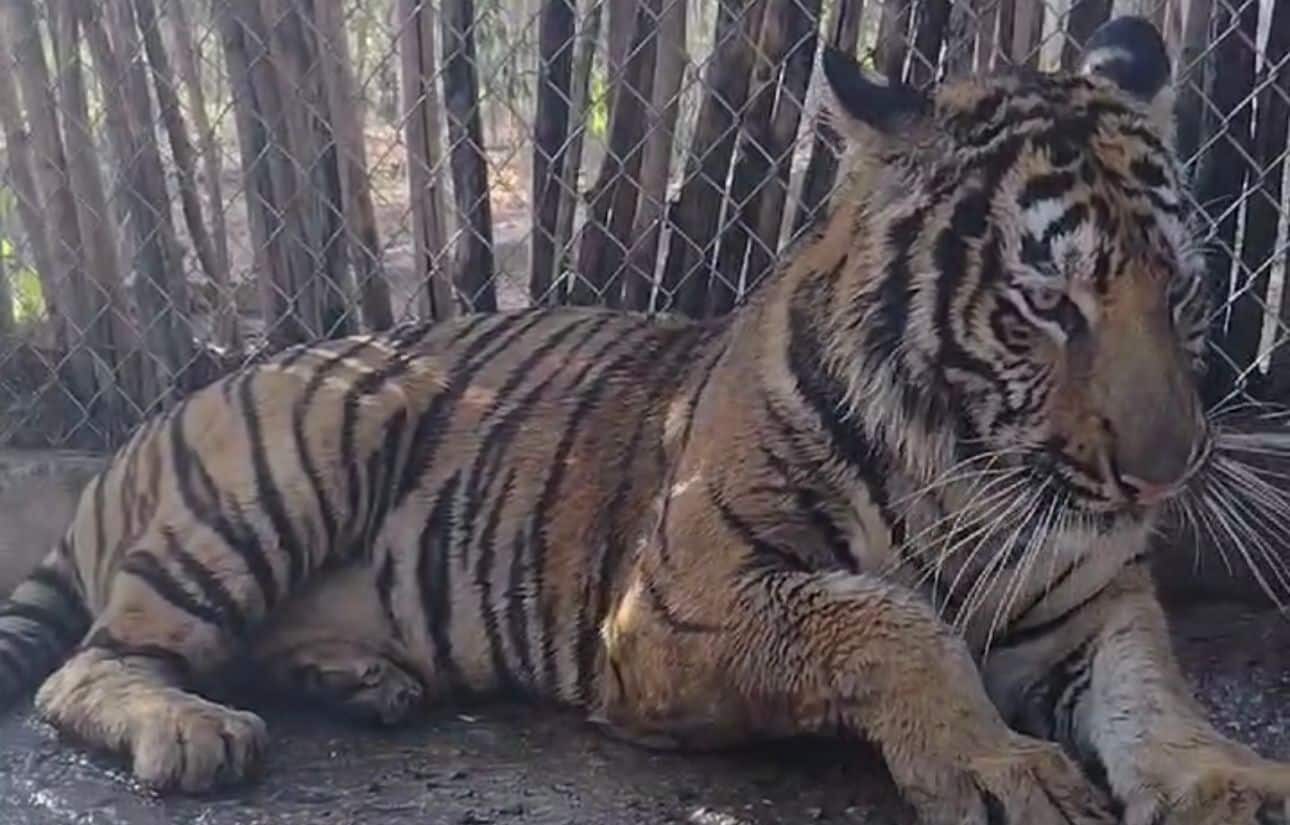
906,493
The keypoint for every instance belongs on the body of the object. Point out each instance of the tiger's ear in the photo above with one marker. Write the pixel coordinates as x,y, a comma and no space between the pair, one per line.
862,105
1130,52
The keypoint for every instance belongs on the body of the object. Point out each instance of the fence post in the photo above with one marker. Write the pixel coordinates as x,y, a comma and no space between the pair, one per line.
556,37
691,253
423,133
822,169
606,240
474,260
1222,183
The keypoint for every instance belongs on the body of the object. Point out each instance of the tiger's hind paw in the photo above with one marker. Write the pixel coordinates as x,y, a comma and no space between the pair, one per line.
363,685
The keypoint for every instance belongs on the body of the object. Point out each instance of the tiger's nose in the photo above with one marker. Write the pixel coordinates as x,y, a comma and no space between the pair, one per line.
1146,492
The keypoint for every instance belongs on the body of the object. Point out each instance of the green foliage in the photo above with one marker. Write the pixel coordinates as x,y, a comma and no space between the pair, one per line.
598,106
24,284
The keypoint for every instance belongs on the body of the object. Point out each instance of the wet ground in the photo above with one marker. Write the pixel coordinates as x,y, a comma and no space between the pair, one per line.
507,766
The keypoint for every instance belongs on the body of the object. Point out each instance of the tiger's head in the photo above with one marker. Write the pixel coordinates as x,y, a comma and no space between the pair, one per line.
1032,288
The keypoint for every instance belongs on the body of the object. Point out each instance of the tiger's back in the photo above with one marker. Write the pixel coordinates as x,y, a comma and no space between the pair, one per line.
467,490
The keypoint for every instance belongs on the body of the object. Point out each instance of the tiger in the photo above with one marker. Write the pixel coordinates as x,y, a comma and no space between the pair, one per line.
904,494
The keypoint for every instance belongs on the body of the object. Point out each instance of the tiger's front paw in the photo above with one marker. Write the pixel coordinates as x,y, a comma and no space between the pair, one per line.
1023,782
1036,782
1218,785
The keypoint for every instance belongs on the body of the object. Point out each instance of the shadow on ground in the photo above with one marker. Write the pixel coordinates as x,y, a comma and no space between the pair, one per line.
507,765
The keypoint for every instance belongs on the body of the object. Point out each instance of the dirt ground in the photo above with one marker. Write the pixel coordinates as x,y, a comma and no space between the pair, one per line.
508,765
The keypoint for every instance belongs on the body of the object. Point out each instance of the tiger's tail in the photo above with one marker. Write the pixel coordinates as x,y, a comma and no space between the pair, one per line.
42,620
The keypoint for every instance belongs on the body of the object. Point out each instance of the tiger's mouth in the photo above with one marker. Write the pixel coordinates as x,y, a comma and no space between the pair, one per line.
1101,489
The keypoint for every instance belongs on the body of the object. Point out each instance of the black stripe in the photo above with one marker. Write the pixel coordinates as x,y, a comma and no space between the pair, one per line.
202,499
300,410
213,590
71,600
663,377
1017,638
268,493
579,417
484,582
827,398
1049,186
811,509
1074,215
705,378
517,594
103,640
767,553
148,568
382,468
288,358
658,603
385,582
498,433
368,384
46,621
14,664
891,303
100,526
428,433
434,575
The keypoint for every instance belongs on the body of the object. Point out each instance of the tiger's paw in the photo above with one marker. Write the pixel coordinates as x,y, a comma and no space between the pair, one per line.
1036,782
194,745
1026,782
1221,785
364,686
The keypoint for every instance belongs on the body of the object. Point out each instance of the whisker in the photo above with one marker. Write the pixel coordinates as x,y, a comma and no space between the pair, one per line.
1021,573
997,563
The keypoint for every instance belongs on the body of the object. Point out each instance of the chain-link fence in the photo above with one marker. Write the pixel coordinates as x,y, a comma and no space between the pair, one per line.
189,185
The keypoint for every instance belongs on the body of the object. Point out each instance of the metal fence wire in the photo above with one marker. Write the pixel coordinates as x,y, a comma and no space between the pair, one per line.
191,184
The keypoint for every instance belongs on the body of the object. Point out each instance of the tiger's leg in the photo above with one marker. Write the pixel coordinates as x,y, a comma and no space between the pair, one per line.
1110,688
171,621
333,645
349,677
790,653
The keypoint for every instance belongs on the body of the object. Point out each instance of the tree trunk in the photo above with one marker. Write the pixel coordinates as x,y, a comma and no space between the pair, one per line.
726,79
105,312
550,138
185,158
319,211
622,19
160,287
571,166
474,260
225,322
424,135
987,39
1027,32
607,240
785,35
1084,18
961,37
284,245
31,209
929,37
351,149
1267,197
7,321
1005,28
1223,183
893,39
822,169
1193,82
656,168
